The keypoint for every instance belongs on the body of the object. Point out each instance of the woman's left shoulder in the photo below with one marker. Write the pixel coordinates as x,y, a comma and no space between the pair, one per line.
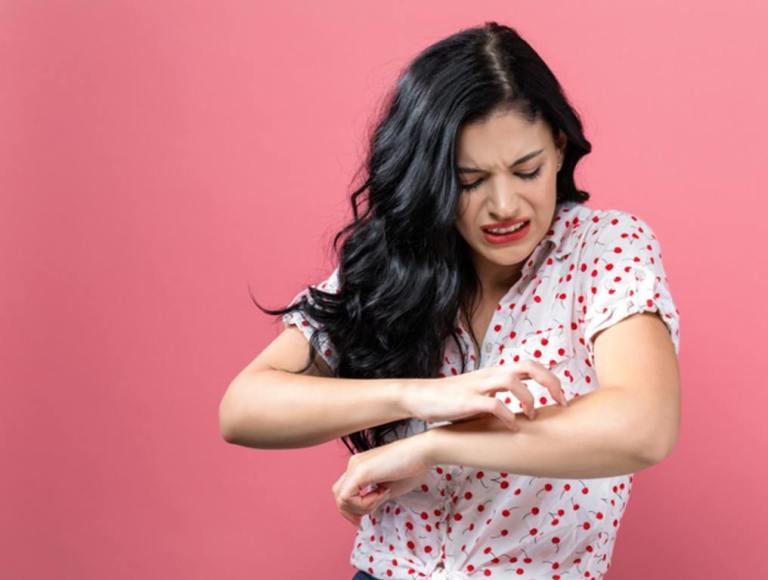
615,231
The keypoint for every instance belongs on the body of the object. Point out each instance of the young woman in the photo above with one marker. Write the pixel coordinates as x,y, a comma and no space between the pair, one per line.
473,287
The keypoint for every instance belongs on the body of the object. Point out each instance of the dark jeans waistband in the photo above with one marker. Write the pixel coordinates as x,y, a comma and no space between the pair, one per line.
363,576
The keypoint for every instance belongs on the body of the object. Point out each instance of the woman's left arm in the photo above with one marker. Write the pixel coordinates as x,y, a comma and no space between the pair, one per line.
628,423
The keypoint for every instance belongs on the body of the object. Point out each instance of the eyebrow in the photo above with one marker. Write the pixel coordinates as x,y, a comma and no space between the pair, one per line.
523,159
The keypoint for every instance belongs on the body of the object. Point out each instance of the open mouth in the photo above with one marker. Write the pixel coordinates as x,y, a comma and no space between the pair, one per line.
509,234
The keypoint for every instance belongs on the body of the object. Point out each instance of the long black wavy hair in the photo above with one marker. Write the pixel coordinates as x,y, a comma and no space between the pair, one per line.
404,271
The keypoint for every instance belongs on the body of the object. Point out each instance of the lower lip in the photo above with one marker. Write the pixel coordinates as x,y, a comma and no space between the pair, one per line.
507,238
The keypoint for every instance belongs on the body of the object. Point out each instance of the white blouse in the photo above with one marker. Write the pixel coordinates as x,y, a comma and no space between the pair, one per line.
592,269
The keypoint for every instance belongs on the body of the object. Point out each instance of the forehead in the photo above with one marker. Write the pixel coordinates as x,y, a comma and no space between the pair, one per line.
501,138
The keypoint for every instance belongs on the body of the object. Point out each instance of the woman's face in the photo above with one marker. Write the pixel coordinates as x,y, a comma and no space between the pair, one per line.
507,168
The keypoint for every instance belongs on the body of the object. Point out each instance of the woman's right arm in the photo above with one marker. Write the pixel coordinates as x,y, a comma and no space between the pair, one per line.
270,405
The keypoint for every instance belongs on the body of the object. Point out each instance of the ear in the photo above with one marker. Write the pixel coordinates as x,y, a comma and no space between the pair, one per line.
561,142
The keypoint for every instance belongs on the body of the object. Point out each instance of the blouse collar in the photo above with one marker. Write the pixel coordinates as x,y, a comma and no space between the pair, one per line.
561,236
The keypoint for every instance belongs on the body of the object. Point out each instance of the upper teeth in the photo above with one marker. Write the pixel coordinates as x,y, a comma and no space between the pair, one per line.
506,230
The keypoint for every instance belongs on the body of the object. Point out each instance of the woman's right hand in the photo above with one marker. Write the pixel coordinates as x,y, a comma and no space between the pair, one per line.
462,396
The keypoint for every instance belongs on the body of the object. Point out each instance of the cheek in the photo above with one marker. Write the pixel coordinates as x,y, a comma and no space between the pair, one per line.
465,213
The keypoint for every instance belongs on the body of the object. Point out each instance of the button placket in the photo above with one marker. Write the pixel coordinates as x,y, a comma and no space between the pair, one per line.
531,265
487,346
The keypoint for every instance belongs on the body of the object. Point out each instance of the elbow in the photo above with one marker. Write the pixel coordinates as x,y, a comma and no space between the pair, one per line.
228,423
658,447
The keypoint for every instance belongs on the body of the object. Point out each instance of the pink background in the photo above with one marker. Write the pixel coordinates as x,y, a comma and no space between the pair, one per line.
156,159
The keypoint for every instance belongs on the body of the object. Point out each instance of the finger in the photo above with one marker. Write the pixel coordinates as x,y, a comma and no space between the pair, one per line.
374,504
353,519
545,377
337,483
355,482
512,382
367,503
497,407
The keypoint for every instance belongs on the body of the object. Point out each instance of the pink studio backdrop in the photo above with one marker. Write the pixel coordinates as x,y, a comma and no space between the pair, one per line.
156,158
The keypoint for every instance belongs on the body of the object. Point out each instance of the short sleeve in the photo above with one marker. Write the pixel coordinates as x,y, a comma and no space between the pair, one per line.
308,325
624,276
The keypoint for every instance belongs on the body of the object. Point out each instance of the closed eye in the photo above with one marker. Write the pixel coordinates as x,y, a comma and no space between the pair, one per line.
476,184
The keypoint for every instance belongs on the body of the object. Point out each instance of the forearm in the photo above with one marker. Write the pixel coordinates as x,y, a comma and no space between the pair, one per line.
597,435
274,409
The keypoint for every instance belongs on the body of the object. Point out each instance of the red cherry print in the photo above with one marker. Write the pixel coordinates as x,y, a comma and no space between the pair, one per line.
604,264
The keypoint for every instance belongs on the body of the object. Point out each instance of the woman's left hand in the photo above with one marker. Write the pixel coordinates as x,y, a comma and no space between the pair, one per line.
392,469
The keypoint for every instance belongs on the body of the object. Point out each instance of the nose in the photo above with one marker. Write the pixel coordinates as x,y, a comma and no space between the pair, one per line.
502,198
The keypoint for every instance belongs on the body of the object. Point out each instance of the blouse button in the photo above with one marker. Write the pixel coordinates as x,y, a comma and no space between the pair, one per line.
488,347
